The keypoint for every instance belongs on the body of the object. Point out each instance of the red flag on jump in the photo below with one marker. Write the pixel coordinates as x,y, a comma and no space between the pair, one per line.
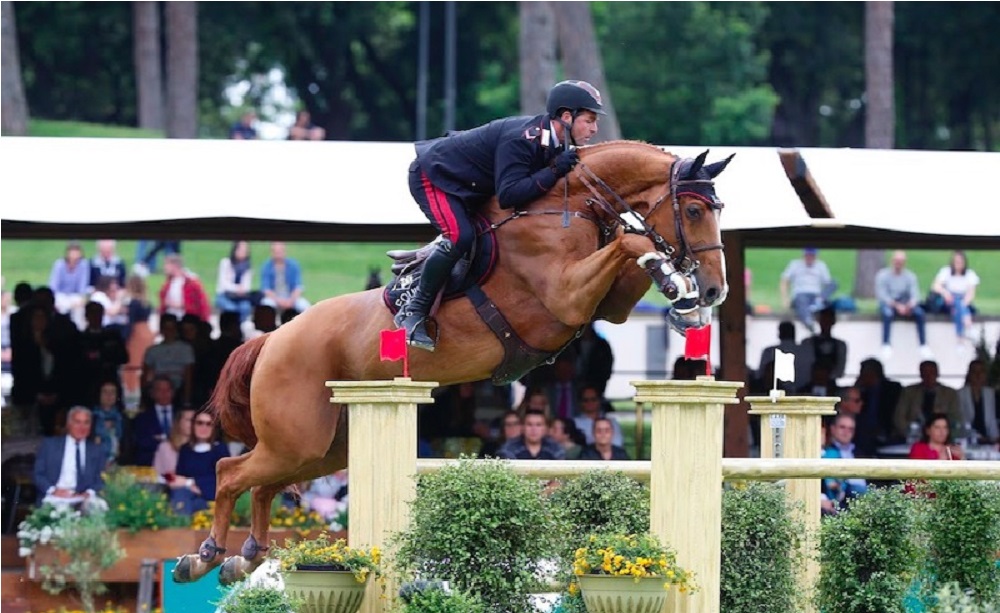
697,344
392,347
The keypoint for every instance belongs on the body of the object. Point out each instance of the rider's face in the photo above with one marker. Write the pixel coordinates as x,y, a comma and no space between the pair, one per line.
585,127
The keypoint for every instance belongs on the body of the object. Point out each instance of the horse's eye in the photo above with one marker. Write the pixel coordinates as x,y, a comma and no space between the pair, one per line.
693,212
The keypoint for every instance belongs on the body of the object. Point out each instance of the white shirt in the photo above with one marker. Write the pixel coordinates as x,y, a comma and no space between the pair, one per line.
67,475
175,296
957,284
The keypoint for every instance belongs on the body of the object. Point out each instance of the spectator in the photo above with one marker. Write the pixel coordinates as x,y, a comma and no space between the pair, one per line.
171,358
305,129
823,347
244,128
68,468
107,264
920,401
70,282
978,404
140,334
114,303
564,389
165,458
233,289
153,425
879,397
786,344
198,334
182,292
197,460
592,408
602,448
327,495
820,382
535,399
595,360
935,443
102,353
374,279
898,293
807,280
107,418
688,370
565,432
510,429
534,443
956,285
230,337
841,446
281,281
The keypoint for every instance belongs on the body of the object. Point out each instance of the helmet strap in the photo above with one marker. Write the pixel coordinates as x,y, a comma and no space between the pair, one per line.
568,130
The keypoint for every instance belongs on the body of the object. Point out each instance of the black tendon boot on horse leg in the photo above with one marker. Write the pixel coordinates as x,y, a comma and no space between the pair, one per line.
433,276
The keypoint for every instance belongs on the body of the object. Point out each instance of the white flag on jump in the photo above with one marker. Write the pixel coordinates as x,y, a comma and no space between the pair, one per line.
784,366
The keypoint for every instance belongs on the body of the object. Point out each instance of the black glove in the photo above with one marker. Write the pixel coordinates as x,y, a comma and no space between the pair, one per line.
565,162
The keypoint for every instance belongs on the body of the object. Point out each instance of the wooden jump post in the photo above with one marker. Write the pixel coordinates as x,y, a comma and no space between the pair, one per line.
382,458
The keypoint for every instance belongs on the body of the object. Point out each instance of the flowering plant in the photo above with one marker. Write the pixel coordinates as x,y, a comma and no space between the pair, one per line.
44,525
331,555
282,517
631,556
136,503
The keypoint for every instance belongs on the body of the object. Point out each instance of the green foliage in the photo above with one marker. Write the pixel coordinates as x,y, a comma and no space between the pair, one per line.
869,554
42,526
322,551
949,598
437,600
134,506
963,533
246,598
86,547
761,550
601,502
482,528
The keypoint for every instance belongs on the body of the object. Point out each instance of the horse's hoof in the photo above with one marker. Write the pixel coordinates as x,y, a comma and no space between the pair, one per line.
233,569
182,572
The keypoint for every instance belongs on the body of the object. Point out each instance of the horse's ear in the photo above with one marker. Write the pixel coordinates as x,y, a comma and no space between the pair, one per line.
715,168
696,165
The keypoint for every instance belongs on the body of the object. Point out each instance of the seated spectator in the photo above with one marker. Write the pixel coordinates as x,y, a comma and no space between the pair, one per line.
305,129
823,347
510,429
114,300
935,442
139,335
197,460
171,358
839,491
920,401
265,319
879,397
820,382
288,315
563,389
593,407
233,288
602,447
69,280
808,283
565,432
977,403
281,281
535,399
107,418
687,370
244,128
327,495
534,443
165,459
898,295
956,285
107,264
68,468
102,353
786,344
153,425
595,359
182,293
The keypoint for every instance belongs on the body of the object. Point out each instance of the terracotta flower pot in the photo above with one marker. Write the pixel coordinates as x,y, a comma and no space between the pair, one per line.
325,591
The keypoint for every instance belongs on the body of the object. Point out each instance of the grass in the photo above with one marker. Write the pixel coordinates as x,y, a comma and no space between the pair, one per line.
332,269
47,127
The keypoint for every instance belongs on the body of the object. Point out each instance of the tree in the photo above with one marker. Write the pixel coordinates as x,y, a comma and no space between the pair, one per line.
14,109
182,69
581,58
537,54
880,118
148,74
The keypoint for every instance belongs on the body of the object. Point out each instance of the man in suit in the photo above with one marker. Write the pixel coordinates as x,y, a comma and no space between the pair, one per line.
879,396
920,401
152,426
68,468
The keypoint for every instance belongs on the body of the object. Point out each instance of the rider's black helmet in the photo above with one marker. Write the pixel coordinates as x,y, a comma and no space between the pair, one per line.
575,96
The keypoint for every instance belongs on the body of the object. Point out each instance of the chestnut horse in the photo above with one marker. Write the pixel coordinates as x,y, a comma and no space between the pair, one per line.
568,259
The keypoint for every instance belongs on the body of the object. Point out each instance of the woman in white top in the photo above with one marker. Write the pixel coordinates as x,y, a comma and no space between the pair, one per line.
956,285
232,289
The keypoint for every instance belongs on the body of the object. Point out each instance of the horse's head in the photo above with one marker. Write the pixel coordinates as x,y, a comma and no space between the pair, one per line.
676,207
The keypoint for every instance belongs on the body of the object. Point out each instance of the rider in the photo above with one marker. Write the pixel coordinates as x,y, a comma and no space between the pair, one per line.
518,159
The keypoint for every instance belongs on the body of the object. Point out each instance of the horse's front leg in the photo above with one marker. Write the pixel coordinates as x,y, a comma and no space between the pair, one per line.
576,293
210,554
254,549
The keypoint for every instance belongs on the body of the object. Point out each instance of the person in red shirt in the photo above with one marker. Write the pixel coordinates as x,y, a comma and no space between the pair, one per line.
935,443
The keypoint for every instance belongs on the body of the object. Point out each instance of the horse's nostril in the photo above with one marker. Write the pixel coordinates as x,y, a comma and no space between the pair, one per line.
711,294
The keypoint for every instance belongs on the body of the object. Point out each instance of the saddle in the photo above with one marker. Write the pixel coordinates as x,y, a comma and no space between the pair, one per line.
465,280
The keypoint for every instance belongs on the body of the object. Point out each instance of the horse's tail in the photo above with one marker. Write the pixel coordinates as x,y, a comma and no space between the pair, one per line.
230,400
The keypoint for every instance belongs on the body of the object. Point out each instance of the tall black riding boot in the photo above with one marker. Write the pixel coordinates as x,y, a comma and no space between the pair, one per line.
434,275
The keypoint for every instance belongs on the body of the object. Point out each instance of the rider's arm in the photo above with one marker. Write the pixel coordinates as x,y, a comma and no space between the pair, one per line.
517,182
